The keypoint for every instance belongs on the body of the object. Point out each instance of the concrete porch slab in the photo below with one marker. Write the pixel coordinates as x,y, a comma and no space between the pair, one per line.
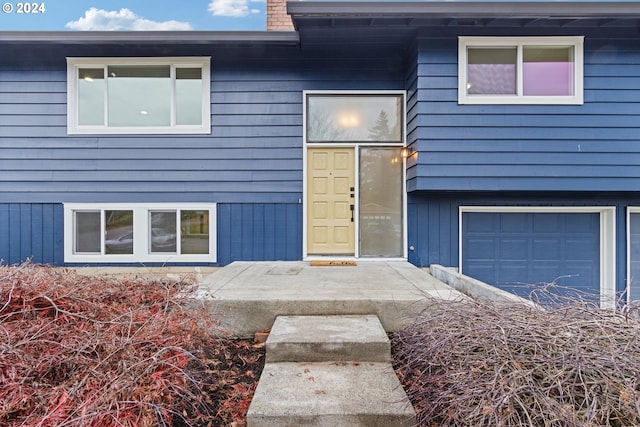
330,394
250,295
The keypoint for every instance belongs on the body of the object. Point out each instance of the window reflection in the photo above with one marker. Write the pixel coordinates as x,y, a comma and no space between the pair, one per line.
91,97
548,71
118,232
380,202
87,232
194,232
163,231
139,95
372,118
491,71
189,96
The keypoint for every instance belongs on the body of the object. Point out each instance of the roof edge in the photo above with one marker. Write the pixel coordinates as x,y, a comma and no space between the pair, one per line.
511,9
149,37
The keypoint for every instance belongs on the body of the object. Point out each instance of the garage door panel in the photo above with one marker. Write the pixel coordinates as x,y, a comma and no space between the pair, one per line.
546,272
581,223
546,249
581,276
514,223
511,273
481,249
482,223
514,249
546,224
580,249
484,271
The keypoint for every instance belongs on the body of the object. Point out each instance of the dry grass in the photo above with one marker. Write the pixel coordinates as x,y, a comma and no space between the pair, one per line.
571,364
86,351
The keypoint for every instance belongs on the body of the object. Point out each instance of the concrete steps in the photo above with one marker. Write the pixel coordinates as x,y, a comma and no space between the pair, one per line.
329,371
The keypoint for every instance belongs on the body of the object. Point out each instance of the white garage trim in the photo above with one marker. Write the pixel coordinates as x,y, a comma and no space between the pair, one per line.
628,279
607,239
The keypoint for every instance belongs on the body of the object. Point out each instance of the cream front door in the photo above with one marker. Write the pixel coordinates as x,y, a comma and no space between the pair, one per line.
330,201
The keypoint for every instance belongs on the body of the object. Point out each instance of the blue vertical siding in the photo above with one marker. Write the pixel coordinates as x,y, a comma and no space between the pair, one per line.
259,232
590,147
31,231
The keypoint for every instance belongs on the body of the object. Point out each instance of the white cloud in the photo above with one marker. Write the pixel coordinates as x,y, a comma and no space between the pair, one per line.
99,19
233,8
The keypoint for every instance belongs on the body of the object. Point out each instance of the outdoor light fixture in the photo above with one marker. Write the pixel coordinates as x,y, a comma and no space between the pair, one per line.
406,152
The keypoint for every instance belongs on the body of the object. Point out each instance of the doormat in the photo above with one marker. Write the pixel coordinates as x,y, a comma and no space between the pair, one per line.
335,263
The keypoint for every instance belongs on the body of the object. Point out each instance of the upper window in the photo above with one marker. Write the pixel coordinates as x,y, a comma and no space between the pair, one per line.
527,70
138,95
354,117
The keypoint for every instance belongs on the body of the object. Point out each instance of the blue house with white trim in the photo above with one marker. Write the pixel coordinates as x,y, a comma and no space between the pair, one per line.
502,138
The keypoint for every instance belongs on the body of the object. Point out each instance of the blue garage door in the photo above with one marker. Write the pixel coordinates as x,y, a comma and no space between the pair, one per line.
516,250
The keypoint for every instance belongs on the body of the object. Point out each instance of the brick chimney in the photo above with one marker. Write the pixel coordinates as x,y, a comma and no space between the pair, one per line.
277,17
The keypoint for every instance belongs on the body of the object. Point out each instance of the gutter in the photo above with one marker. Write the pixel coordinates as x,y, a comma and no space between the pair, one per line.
150,37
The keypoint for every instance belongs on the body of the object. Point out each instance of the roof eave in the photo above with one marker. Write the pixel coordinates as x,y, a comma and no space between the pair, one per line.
491,9
150,37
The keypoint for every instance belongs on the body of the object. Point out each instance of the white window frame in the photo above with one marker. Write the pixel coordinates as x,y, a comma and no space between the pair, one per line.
141,250
607,239
74,64
518,42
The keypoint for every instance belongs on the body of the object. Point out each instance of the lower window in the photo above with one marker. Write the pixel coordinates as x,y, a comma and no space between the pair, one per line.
139,233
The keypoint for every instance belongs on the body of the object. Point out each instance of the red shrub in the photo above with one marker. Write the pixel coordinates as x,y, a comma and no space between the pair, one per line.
78,350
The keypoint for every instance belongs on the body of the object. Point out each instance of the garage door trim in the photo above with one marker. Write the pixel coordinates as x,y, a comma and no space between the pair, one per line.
607,238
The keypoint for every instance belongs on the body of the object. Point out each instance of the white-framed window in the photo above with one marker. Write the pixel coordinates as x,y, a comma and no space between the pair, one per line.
356,117
633,254
138,95
520,70
134,232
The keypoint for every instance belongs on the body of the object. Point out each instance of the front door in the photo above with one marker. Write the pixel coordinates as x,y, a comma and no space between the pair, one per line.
331,201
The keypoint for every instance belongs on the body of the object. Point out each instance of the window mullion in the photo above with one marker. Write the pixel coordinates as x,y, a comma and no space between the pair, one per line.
178,231
76,96
103,231
172,77
105,119
520,70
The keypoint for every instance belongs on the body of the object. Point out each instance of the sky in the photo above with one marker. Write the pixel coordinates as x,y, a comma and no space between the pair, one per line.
58,15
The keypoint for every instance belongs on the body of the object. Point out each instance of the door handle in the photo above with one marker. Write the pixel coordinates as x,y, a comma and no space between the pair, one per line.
352,208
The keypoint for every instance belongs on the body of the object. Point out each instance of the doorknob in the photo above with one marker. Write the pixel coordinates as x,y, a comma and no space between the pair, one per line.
352,207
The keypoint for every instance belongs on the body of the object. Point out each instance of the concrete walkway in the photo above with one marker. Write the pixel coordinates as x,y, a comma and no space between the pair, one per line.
249,295
329,371
328,354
